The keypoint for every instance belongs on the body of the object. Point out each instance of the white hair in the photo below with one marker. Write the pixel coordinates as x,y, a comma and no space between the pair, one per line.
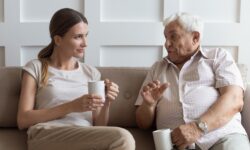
187,21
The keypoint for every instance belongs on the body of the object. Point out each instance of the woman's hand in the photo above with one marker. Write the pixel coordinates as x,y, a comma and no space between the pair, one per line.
112,90
101,115
88,102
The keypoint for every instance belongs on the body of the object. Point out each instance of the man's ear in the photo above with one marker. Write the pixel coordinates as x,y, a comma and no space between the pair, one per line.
196,37
57,40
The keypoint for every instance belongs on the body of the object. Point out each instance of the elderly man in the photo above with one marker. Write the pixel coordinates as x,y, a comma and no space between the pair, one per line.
198,93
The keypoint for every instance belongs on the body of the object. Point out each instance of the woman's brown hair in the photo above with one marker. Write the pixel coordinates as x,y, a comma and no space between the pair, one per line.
60,24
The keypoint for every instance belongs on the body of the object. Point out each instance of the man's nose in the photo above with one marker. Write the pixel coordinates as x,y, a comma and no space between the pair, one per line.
167,43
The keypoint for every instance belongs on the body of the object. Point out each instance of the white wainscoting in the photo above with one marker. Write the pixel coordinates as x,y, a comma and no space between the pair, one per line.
122,33
2,57
42,10
29,53
129,56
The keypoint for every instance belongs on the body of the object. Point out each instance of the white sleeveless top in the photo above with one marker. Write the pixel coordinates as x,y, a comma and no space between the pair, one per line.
63,86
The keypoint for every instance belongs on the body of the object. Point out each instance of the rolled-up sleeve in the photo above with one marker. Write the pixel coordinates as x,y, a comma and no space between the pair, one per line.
226,70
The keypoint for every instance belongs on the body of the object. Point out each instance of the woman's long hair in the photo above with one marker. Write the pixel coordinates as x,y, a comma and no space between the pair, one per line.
60,24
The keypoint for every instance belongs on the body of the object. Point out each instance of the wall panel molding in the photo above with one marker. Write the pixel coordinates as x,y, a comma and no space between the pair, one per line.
30,10
2,56
124,11
26,27
123,30
1,11
130,56
227,11
226,23
118,28
28,53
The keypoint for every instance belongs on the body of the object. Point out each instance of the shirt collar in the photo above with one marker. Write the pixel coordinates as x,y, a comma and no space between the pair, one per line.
201,52
204,53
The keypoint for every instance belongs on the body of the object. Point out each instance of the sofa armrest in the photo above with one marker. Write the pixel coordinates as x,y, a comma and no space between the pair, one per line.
246,110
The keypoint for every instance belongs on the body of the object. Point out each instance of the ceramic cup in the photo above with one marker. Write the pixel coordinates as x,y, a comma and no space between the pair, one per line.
162,139
97,87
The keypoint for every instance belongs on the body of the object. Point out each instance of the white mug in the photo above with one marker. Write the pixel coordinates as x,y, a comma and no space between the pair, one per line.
162,139
98,88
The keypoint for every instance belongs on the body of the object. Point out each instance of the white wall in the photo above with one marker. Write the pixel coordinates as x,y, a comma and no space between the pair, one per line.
122,32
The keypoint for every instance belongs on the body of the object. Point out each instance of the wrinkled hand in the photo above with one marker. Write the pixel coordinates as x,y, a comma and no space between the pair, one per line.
87,102
112,90
185,135
153,91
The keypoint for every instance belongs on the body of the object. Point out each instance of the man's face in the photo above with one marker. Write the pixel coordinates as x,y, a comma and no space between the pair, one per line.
180,44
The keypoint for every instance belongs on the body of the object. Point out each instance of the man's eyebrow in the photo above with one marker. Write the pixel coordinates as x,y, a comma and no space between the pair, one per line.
172,31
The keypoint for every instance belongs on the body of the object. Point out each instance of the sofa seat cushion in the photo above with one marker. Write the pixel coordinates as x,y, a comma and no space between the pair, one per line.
143,138
13,139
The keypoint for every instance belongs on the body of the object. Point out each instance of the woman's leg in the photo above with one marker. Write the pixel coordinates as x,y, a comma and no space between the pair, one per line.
80,138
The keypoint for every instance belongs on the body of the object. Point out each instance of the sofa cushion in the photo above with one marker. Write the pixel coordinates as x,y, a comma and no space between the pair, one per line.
246,111
144,138
10,79
243,70
13,139
122,112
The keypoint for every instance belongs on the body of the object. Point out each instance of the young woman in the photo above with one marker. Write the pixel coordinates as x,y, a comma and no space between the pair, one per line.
54,104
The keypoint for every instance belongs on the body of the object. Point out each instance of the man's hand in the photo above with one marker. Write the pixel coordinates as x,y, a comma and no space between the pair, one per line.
153,91
185,135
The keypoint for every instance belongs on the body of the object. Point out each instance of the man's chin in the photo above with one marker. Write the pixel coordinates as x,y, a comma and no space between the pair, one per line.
79,56
170,58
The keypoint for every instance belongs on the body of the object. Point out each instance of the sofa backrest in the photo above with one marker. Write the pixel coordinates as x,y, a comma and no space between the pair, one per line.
10,83
129,80
122,111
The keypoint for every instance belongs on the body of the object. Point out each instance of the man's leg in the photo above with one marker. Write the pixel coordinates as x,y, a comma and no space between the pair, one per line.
80,138
232,142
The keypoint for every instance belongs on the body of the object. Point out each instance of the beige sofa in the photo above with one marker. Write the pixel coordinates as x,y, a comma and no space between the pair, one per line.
122,112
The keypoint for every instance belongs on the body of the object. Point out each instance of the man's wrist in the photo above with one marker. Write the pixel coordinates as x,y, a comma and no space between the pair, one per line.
202,126
149,105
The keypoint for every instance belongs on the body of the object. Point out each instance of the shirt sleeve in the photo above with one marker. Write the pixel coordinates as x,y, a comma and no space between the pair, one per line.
33,67
226,70
91,72
96,74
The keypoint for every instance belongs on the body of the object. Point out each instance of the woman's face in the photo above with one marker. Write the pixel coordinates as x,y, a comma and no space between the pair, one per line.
74,42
